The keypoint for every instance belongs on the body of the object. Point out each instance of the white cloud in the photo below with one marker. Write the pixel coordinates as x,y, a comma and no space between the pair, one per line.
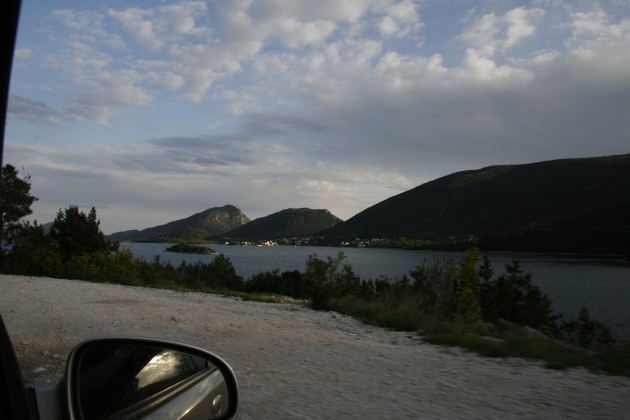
388,26
594,24
180,19
477,66
194,55
519,25
89,26
169,81
294,33
154,29
108,92
399,18
140,23
491,33
79,20
595,53
340,11
594,30
402,72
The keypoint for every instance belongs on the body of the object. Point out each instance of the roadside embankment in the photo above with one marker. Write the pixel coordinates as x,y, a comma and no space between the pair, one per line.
292,362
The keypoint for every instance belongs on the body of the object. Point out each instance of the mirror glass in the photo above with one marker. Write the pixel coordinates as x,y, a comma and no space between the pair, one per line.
144,381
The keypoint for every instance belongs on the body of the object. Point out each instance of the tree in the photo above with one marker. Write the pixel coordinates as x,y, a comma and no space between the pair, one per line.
436,287
32,252
485,270
468,287
586,332
224,274
513,297
76,233
328,279
15,199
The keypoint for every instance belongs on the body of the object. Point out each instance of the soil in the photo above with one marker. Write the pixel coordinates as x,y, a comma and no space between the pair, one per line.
292,362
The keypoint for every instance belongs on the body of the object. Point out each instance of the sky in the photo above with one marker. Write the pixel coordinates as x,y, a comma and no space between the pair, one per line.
152,111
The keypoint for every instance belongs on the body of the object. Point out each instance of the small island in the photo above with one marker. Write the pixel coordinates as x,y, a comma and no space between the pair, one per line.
191,249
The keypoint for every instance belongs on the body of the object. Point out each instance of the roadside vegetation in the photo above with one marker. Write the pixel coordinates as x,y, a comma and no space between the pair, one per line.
460,303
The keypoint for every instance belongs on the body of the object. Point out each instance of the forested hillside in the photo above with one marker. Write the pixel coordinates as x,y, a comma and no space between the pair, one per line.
286,223
199,226
568,205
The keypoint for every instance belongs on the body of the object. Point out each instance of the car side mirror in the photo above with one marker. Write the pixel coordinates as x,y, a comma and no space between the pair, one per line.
142,378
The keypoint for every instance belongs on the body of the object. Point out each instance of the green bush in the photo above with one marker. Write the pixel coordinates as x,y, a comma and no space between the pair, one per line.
513,297
219,274
586,332
76,233
32,253
328,279
15,200
104,266
402,314
289,283
435,287
468,286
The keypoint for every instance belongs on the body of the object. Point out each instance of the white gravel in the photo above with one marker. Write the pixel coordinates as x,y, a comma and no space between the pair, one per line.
295,363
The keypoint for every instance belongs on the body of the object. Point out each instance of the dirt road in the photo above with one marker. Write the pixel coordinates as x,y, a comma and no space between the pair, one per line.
295,363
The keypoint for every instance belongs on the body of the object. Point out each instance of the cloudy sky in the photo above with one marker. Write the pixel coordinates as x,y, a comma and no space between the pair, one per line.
152,111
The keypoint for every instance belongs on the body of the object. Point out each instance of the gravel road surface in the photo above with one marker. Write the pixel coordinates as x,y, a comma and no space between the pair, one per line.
295,363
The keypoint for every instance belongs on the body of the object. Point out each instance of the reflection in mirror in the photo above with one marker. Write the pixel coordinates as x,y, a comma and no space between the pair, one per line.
143,381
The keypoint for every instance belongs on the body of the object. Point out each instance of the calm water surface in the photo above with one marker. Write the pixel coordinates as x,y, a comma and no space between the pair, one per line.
601,285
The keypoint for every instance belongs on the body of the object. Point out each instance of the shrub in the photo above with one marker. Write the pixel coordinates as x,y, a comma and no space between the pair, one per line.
513,297
468,287
328,279
219,274
434,287
32,253
395,312
222,275
15,200
289,283
585,331
76,233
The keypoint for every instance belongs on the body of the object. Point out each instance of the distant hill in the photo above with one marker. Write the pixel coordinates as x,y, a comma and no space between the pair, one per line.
287,223
199,226
568,205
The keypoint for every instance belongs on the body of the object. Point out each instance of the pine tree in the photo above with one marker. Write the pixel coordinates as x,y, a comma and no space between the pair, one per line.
76,233
15,198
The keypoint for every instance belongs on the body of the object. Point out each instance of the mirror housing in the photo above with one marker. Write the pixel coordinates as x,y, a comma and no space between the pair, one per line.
144,378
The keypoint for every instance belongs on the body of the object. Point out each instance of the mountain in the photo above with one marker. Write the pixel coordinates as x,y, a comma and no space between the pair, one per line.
196,227
288,223
568,205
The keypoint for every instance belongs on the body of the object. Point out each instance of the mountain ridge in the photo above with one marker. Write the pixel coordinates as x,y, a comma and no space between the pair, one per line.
199,226
501,203
285,223
205,226
564,205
